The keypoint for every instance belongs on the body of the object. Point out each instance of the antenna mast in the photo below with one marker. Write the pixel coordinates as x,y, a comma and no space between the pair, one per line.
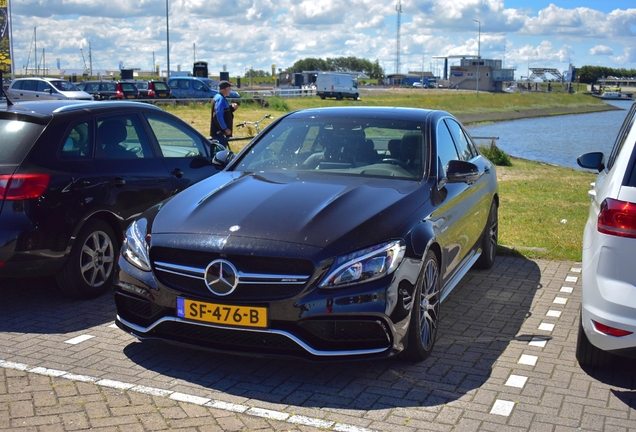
398,8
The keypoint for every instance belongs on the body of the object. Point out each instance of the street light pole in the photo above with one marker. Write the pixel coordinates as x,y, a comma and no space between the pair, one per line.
478,53
167,42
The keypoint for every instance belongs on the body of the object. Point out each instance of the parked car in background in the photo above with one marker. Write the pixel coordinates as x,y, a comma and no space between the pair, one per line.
337,233
214,85
35,88
190,88
153,89
74,174
110,90
608,309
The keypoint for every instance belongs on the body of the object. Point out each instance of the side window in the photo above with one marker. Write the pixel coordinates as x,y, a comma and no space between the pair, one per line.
17,85
198,85
464,144
184,84
43,86
122,137
446,150
78,143
174,139
31,85
621,137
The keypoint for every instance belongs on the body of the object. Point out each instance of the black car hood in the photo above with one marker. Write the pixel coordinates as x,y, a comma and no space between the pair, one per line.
304,208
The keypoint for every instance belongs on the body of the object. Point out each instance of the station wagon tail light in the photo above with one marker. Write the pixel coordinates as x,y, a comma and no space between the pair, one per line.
23,186
364,265
611,331
617,218
119,94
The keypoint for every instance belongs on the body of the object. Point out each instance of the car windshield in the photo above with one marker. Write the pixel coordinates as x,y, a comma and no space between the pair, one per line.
64,86
355,146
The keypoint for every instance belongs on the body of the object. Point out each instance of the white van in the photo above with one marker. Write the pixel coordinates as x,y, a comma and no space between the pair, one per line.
338,85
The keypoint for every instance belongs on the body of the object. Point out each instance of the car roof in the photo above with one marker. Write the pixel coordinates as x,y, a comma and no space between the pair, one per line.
398,113
50,107
40,79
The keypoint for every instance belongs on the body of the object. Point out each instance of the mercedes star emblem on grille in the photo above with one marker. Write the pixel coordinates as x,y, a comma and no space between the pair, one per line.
221,277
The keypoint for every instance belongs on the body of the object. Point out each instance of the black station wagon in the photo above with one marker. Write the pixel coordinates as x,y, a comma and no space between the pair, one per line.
73,175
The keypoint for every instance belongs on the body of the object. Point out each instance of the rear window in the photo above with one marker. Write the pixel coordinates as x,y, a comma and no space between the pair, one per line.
16,139
160,85
128,87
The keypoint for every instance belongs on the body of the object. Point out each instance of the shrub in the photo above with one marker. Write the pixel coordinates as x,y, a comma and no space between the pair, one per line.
495,155
278,104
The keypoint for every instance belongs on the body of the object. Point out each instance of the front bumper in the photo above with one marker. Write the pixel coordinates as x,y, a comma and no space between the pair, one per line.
364,321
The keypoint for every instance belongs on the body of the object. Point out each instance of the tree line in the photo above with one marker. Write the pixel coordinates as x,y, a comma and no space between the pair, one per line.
341,64
590,74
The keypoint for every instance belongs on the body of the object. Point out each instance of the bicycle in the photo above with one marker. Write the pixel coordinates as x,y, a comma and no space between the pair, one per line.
254,123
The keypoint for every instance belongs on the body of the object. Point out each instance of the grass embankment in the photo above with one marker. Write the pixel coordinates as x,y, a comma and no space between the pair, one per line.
543,207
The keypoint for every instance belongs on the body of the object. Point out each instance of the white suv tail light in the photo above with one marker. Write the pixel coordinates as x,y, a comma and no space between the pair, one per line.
617,218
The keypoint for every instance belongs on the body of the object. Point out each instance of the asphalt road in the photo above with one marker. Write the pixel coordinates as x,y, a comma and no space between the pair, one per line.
504,361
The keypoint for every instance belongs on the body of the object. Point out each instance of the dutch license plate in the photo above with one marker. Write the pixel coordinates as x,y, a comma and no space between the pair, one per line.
130,97
162,94
240,316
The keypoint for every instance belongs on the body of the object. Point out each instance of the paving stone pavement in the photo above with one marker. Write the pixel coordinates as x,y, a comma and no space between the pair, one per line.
504,361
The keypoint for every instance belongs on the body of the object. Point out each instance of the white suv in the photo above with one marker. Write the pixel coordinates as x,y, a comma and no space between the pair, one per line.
608,311
35,88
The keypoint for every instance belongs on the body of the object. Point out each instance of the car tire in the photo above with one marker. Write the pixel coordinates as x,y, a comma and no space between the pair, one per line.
424,312
339,96
489,240
90,267
587,354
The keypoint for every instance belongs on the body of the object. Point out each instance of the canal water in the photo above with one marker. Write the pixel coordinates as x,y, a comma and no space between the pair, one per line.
557,140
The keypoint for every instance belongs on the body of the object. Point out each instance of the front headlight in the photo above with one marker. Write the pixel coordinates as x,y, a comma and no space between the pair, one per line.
364,265
135,247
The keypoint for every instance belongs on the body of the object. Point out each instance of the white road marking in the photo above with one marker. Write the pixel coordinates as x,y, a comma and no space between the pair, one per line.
546,327
529,360
502,407
538,342
79,339
560,300
516,381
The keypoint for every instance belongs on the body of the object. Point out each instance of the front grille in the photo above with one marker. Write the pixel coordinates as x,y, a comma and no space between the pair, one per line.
227,340
263,278
246,263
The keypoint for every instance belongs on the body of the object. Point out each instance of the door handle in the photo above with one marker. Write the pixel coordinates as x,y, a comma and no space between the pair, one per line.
177,172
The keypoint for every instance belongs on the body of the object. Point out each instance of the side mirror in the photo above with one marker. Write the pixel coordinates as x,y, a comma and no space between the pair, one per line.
462,172
223,158
593,160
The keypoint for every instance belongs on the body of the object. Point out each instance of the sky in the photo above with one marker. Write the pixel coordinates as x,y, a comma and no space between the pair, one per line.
236,35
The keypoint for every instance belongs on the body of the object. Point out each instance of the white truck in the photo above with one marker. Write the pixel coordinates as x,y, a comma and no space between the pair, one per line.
338,85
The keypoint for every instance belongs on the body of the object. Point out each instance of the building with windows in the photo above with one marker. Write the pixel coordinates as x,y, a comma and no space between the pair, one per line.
474,73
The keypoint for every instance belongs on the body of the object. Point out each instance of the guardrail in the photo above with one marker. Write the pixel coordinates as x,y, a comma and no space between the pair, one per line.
283,93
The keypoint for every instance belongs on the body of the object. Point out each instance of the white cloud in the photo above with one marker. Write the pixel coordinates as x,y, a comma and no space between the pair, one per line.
258,33
601,50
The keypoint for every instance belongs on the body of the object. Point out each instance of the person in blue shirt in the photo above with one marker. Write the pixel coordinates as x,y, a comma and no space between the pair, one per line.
222,115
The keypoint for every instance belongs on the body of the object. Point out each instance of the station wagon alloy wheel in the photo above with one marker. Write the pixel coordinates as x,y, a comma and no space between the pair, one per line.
90,268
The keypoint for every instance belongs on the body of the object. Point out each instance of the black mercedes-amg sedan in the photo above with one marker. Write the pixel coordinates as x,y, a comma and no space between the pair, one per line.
336,233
